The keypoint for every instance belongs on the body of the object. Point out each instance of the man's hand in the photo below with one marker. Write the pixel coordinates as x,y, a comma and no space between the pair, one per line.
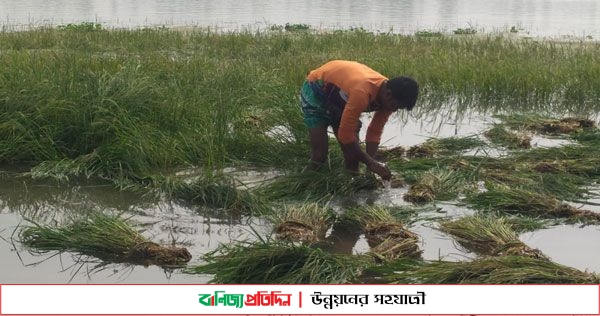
381,169
353,154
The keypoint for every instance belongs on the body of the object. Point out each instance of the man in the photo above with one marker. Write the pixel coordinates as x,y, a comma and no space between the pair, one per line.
336,94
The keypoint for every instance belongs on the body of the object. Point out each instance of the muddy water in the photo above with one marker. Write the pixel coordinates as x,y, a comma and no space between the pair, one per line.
203,230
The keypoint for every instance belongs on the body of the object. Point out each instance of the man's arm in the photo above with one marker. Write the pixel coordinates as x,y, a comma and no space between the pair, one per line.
353,152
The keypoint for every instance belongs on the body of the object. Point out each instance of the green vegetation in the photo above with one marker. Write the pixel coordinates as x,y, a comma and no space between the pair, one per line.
488,236
271,262
110,238
494,270
137,109
83,101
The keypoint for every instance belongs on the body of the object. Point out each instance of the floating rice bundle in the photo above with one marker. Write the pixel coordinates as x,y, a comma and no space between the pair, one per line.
487,235
511,140
275,262
110,238
438,183
495,270
305,223
386,236
519,201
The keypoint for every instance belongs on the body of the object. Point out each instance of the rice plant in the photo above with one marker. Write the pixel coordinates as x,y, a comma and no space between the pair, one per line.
387,237
272,262
110,238
488,235
439,184
317,185
306,222
519,201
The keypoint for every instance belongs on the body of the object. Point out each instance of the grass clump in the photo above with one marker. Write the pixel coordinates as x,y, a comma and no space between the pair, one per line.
486,235
110,238
272,262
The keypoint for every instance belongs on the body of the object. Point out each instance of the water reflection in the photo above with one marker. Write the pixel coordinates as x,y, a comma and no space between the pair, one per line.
163,222
537,17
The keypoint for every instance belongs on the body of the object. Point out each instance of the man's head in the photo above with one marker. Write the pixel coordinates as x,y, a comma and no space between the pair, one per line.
402,93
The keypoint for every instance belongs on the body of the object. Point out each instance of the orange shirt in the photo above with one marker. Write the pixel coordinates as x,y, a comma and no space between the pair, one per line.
361,84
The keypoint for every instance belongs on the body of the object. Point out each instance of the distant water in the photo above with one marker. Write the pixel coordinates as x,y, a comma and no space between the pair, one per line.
546,18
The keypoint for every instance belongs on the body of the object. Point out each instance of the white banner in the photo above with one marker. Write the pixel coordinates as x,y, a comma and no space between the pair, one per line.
299,299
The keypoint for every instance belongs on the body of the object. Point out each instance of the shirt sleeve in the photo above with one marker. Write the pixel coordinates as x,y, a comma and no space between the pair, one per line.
357,103
376,126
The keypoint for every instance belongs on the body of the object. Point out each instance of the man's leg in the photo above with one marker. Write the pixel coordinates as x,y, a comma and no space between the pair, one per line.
319,146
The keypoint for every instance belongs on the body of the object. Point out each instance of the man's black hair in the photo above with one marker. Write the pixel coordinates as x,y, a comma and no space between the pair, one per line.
405,90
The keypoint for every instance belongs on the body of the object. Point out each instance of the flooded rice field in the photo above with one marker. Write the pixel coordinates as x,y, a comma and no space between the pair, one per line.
202,230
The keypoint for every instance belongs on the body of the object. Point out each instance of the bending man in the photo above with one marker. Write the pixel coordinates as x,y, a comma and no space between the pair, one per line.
336,94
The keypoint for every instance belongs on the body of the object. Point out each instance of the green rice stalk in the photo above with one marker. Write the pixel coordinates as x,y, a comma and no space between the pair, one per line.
318,185
519,201
110,238
271,262
447,146
438,184
494,270
488,235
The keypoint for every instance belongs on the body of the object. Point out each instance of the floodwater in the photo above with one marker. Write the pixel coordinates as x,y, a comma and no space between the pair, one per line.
201,231
546,18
